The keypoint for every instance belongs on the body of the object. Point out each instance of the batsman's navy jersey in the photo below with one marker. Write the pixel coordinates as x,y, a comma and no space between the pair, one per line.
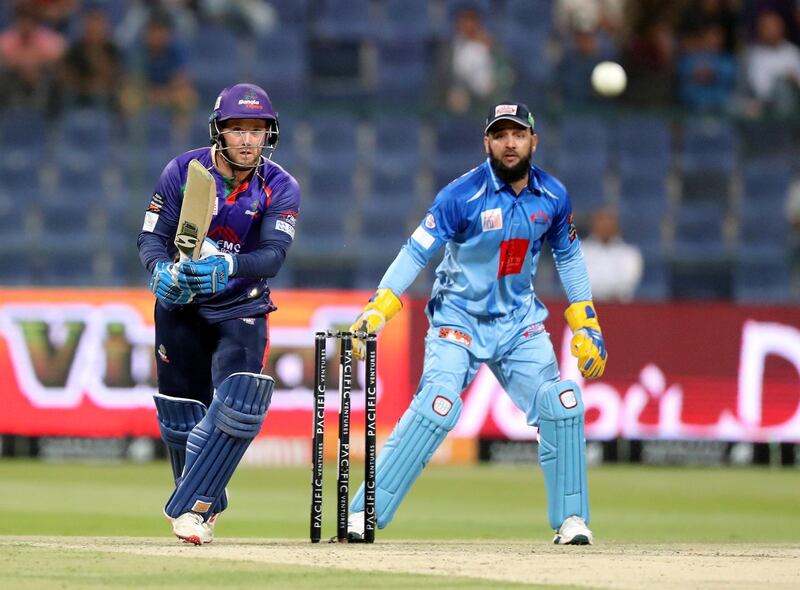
255,222
493,240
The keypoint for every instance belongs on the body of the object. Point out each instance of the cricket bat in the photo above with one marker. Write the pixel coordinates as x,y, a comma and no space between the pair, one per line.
198,204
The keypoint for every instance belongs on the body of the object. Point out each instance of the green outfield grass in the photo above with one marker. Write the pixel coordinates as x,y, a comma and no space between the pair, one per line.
630,504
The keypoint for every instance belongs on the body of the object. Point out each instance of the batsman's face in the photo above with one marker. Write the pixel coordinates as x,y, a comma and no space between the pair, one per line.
509,143
244,140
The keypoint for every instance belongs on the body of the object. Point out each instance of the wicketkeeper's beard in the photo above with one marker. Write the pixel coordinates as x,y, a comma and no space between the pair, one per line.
509,174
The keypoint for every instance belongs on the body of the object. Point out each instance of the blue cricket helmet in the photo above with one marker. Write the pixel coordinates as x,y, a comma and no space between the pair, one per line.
243,101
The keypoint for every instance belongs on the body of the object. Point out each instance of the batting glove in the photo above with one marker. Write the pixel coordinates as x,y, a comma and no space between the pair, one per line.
208,275
382,307
165,285
587,343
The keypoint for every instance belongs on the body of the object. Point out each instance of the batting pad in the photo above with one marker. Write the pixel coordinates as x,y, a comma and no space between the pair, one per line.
562,452
433,413
216,445
176,418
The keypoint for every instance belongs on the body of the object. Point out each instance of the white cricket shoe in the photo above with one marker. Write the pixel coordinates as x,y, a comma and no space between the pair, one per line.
573,531
355,527
191,528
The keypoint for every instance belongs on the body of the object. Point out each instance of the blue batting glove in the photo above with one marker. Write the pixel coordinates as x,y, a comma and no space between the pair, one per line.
208,275
165,285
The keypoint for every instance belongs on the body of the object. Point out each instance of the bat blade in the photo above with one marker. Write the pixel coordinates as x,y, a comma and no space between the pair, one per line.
199,197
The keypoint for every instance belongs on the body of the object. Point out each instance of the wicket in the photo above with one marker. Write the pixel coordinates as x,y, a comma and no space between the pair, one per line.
343,456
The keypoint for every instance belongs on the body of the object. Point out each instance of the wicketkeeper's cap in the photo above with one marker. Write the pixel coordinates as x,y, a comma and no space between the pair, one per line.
509,111
243,101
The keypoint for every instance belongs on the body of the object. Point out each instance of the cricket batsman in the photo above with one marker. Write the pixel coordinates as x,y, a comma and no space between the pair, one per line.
211,331
493,221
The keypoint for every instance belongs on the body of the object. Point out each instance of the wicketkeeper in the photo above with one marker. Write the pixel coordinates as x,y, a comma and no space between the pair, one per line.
493,222
211,315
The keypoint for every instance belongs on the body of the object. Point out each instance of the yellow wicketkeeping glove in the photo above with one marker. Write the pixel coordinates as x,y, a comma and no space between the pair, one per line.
382,307
587,343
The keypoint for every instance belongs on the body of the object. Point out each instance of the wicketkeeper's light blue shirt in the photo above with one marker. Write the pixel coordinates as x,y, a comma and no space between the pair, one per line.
493,239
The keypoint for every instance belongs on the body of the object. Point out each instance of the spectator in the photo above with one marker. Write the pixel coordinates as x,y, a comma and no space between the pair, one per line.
698,16
158,73
93,64
580,57
771,70
130,31
255,18
475,72
605,15
55,14
706,72
29,55
649,60
615,267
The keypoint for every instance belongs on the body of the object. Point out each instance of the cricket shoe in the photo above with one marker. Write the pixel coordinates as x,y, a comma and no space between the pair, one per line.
191,528
573,531
355,528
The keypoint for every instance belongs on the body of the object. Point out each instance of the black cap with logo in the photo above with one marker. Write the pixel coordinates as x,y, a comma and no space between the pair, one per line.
509,111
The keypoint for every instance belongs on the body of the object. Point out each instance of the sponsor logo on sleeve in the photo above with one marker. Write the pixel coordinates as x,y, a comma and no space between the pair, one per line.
150,220
492,219
456,336
430,221
423,238
156,203
285,227
573,232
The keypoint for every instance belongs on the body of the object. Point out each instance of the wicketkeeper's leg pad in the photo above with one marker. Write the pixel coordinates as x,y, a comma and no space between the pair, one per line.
433,413
216,445
562,452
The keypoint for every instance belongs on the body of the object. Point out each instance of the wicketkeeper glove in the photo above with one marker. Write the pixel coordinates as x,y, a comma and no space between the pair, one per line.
164,283
587,343
208,275
382,307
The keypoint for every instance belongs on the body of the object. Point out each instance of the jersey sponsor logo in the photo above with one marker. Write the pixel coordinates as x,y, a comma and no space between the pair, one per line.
162,354
533,329
505,109
441,405
423,238
249,321
289,217
150,220
216,208
252,209
512,256
568,399
492,219
456,336
285,227
430,221
540,217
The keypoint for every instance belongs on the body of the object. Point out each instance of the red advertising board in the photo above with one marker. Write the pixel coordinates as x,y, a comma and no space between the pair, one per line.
675,371
80,363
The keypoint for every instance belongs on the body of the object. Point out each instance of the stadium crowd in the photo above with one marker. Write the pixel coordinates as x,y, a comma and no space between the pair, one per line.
379,101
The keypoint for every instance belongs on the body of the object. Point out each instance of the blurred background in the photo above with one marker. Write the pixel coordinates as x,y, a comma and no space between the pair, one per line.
686,190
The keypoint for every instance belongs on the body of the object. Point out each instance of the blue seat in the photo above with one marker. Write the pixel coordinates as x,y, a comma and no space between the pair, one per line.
73,263
406,20
762,275
646,191
24,137
281,65
402,72
644,145
335,140
215,61
397,144
766,182
708,145
20,264
699,232
344,19
584,146
655,278
586,189
459,145
641,225
292,14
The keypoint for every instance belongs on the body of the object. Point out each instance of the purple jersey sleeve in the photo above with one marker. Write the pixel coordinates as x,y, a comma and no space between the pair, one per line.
277,232
161,218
